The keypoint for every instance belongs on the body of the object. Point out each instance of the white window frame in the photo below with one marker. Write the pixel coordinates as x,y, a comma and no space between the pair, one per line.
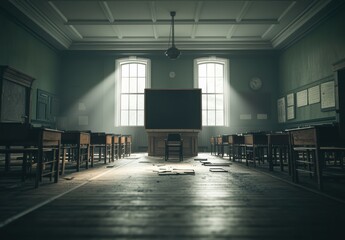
118,88
226,83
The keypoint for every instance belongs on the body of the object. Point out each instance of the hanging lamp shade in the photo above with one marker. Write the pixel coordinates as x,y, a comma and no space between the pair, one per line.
172,52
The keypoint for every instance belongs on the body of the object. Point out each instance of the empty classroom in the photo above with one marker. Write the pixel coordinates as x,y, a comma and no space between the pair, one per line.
172,119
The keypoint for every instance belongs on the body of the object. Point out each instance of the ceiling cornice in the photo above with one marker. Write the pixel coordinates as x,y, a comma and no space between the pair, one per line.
72,39
42,21
303,20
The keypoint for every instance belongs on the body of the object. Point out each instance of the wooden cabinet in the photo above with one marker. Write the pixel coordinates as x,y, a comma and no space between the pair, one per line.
15,95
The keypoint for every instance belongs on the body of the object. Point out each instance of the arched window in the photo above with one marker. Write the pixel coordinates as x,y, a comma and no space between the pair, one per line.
211,75
133,76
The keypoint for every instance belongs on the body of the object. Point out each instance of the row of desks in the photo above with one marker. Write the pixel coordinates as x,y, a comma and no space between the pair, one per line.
303,150
45,148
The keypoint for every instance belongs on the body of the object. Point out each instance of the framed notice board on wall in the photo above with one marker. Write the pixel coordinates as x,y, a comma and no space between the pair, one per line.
15,97
47,107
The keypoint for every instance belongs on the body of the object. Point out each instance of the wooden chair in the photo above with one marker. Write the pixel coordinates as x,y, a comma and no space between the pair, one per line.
174,144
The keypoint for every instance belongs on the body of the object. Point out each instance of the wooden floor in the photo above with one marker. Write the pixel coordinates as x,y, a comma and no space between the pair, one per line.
128,199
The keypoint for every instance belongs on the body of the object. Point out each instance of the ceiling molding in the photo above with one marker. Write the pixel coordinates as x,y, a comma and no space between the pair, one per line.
161,45
269,24
176,22
42,21
301,20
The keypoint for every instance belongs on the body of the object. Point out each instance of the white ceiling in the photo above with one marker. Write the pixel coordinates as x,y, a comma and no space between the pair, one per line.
145,25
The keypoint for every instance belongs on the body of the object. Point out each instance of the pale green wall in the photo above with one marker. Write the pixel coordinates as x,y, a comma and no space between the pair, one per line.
85,81
309,62
88,89
23,51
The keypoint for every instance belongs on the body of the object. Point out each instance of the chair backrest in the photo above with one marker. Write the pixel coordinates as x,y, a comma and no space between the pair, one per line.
174,137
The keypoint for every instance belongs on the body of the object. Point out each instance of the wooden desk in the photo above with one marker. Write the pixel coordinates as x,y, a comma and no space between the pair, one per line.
104,142
17,136
128,145
213,141
116,153
307,147
78,141
278,142
221,143
236,147
156,141
255,144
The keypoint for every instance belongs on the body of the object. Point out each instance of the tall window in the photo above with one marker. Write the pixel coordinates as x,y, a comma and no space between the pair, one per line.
133,77
212,77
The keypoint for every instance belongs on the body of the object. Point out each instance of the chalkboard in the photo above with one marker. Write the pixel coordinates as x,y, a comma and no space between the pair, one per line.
173,109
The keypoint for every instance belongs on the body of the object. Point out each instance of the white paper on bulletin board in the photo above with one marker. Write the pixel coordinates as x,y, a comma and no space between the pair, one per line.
281,110
302,98
314,94
290,112
290,100
327,95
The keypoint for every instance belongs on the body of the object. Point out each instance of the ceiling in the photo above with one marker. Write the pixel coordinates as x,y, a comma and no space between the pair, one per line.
146,25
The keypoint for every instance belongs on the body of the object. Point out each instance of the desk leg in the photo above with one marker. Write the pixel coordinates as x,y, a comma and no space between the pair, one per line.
39,166
24,166
92,152
87,156
78,158
64,151
7,160
269,157
318,162
57,164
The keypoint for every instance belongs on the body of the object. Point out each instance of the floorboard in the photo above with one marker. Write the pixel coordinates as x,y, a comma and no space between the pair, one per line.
129,200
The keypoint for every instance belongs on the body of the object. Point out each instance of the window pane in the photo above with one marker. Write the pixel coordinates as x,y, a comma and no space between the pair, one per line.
141,85
211,118
125,85
204,101
211,102
125,70
124,118
141,70
133,70
219,118
133,85
202,85
204,117
141,118
133,102
219,102
124,102
202,70
210,85
211,81
219,85
141,101
210,70
132,118
219,70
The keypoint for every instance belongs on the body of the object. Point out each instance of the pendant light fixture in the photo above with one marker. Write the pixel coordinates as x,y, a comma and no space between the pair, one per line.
172,52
